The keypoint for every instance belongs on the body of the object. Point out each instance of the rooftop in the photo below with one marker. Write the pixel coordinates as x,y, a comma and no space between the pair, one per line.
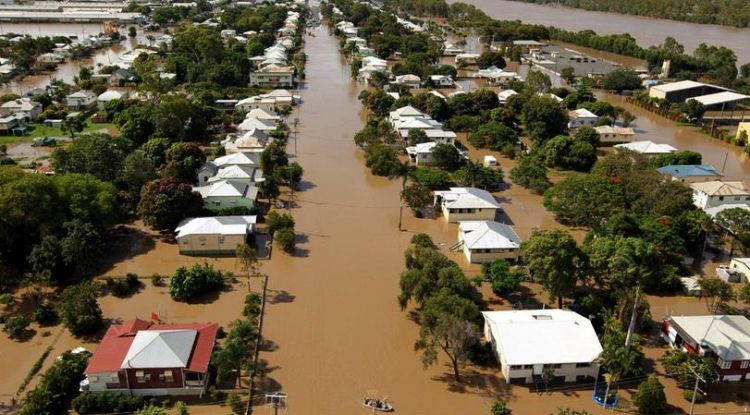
647,147
689,170
467,198
550,336
727,336
480,234
678,86
724,97
222,225
722,188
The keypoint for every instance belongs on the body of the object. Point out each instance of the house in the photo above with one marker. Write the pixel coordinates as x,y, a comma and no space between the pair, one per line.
466,203
716,192
273,76
226,194
80,100
238,159
503,96
25,106
609,135
580,117
496,76
647,148
724,339
742,265
449,49
252,141
690,173
13,123
256,124
421,154
51,57
107,96
218,235
487,241
466,58
140,358
247,174
264,115
441,80
713,211
267,102
411,81
543,345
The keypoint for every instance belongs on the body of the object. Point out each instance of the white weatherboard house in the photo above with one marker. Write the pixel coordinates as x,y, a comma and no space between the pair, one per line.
466,203
487,241
742,265
219,235
581,117
715,193
226,194
530,343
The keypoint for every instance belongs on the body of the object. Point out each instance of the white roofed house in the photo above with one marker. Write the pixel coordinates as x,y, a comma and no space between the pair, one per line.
80,100
581,117
226,194
441,80
647,148
252,141
107,96
262,114
503,96
609,135
259,124
411,81
25,106
217,235
529,344
487,241
466,203
421,154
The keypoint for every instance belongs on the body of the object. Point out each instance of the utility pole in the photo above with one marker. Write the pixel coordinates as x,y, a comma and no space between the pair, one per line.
695,389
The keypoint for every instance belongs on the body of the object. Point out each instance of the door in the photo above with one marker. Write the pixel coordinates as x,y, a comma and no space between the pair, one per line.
538,369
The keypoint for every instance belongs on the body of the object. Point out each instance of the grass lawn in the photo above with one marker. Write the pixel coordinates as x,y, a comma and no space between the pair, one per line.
41,130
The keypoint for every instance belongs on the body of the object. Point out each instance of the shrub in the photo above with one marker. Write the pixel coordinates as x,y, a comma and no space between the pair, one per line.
107,402
180,408
189,283
132,280
276,221
234,402
285,239
650,398
499,408
688,395
6,299
16,326
45,314
56,387
157,280
221,333
117,286
252,305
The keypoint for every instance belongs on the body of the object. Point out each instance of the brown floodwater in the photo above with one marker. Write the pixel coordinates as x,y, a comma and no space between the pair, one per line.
645,30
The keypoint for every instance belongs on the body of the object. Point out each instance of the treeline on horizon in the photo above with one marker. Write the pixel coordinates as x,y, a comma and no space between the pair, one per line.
722,12
715,64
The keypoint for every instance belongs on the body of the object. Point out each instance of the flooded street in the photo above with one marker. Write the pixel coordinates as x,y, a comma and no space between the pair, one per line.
646,31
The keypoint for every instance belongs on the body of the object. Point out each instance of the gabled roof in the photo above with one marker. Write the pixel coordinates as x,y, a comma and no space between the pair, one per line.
504,95
407,111
689,170
261,114
237,159
647,147
421,148
679,86
81,94
192,352
467,198
110,95
722,188
252,139
228,188
552,336
482,234
727,336
256,124
221,225
580,112
608,129
237,172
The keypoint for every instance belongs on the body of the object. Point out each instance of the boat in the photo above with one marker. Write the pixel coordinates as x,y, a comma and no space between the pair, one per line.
378,404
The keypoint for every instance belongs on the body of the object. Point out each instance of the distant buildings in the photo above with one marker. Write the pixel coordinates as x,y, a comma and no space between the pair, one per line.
140,358
711,96
647,148
543,345
609,135
80,100
581,117
724,339
716,193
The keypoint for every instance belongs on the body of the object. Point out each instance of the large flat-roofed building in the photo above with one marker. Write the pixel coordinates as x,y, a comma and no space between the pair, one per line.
532,344
683,90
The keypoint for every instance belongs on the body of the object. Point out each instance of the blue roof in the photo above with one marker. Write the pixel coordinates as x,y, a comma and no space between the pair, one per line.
688,170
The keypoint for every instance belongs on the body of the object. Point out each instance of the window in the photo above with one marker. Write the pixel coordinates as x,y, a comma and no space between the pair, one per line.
744,364
168,375
528,366
202,240
139,376
221,239
583,364
516,367
94,378
114,378
724,364
148,377
721,198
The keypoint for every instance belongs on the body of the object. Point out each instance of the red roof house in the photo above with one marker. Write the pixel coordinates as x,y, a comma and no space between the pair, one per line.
152,359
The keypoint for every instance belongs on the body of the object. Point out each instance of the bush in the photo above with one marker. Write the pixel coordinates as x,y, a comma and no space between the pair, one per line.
107,402
650,398
16,326
157,280
117,287
6,299
221,333
56,387
189,283
499,408
252,305
285,239
180,408
688,395
234,402
45,314
276,221
132,280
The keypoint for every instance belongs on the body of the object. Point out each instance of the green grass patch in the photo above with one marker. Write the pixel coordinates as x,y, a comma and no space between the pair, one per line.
41,130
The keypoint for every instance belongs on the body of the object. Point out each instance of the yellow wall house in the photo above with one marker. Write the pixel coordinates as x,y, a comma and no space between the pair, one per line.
486,241
466,203
218,235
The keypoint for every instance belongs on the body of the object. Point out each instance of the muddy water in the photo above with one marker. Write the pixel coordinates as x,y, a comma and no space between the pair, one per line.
646,31
649,126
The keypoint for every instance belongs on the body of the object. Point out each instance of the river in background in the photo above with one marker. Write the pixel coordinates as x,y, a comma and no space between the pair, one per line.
645,30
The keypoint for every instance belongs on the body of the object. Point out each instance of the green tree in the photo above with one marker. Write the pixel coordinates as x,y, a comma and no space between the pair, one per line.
276,221
680,365
137,170
473,174
529,172
543,118
164,202
567,74
499,407
183,160
82,246
286,240
718,290
16,327
622,79
73,125
446,156
554,259
693,110
503,279
189,283
587,134
536,82
417,136
79,309
584,200
736,221
416,196
97,154
493,135
491,58
650,397
617,359
382,160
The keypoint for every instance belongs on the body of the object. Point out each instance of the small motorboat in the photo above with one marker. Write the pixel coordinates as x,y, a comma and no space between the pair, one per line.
378,404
